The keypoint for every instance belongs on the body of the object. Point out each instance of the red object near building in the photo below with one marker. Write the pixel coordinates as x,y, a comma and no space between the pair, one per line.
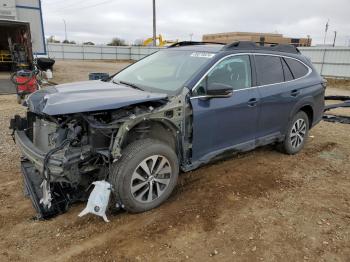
26,84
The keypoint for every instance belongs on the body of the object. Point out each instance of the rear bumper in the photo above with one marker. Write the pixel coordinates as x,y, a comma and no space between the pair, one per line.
35,155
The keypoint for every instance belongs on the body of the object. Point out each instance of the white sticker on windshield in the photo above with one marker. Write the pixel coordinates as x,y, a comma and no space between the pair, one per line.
202,54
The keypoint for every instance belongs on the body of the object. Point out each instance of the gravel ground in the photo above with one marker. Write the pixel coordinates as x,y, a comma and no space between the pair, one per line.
257,206
66,71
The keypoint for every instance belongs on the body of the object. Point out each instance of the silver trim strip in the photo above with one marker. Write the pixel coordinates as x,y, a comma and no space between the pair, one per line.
217,62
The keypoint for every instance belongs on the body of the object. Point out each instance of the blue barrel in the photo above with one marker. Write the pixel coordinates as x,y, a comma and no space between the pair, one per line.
98,76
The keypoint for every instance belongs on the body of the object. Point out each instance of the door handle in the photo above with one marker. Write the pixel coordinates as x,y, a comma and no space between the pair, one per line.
295,93
252,102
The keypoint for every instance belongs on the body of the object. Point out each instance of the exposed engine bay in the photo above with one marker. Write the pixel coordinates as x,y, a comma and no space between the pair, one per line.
64,154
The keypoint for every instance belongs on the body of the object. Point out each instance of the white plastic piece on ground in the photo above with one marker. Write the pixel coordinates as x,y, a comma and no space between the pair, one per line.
48,74
98,200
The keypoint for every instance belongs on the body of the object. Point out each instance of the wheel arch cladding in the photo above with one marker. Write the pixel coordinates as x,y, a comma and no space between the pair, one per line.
306,105
159,129
308,110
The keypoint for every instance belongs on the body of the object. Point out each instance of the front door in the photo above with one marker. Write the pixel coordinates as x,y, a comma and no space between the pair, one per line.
221,123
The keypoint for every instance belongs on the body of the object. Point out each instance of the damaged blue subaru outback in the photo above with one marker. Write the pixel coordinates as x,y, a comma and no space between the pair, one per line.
172,111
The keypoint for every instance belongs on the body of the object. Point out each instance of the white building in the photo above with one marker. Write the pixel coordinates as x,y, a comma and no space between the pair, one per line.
26,11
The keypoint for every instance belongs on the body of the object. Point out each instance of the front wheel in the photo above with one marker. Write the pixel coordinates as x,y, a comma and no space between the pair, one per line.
145,175
296,134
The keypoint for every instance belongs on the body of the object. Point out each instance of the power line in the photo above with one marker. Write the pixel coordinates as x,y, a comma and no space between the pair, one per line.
74,4
75,8
61,4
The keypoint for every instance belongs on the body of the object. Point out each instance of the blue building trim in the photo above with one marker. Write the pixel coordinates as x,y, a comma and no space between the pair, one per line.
41,21
42,27
29,7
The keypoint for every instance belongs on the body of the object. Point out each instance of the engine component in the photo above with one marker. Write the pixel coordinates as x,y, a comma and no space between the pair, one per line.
43,132
98,200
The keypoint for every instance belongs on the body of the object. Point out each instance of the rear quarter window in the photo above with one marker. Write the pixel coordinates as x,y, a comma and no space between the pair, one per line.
269,69
297,68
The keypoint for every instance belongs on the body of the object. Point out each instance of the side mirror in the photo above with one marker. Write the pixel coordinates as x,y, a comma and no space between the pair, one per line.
219,90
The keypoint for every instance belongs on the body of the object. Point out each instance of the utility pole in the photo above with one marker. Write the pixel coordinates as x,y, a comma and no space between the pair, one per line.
154,24
335,37
324,43
191,35
65,30
325,32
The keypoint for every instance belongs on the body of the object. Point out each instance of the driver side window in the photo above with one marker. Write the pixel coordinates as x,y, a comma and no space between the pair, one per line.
233,71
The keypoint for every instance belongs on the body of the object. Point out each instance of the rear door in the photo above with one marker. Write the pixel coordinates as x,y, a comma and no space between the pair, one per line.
221,123
279,94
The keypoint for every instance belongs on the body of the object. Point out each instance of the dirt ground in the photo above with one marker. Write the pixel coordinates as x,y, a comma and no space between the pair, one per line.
66,71
257,206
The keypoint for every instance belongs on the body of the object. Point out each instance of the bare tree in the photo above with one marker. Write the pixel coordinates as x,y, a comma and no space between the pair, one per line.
89,43
52,39
117,42
68,42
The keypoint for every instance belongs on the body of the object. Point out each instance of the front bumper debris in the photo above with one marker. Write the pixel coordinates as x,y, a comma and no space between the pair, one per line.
48,198
32,184
35,155
57,163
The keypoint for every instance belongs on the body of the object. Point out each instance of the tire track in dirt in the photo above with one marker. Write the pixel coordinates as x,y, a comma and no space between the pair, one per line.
91,243
198,201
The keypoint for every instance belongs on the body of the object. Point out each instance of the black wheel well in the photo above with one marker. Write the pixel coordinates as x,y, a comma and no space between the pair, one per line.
152,129
309,112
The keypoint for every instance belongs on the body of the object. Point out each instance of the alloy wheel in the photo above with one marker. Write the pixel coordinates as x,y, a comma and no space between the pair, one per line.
297,133
150,178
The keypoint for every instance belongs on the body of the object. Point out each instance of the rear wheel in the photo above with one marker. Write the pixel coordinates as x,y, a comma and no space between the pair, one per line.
297,134
145,175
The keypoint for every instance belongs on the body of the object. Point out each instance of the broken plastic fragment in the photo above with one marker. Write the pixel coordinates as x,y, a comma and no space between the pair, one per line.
98,200
47,198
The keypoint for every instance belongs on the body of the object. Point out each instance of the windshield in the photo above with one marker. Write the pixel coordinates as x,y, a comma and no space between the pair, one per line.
165,71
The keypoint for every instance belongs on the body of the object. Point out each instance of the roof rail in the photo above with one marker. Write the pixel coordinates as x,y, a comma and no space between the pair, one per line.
187,43
243,45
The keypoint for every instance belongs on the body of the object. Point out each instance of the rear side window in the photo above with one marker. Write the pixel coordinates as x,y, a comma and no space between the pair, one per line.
297,68
269,69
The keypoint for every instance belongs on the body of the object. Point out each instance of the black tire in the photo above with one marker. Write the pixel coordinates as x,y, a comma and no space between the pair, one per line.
289,145
123,175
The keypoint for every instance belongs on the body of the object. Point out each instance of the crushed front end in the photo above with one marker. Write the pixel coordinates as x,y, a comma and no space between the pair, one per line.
74,134
64,153
59,162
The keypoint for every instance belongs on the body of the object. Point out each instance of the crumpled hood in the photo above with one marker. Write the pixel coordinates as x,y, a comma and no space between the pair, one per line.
87,96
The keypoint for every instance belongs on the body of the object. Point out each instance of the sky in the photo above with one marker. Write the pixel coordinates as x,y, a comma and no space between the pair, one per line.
101,20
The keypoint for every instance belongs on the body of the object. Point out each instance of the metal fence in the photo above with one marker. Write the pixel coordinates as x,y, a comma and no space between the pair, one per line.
329,61
98,52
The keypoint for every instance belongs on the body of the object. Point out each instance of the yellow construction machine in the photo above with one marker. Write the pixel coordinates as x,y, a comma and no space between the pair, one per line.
160,41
